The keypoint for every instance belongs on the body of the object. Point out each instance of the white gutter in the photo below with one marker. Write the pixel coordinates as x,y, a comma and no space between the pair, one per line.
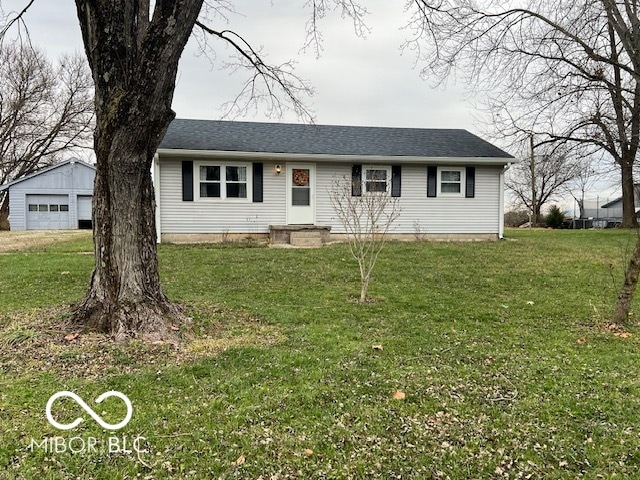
315,157
501,202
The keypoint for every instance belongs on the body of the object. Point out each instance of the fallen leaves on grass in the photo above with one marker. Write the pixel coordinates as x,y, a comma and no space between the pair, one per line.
240,460
377,347
618,331
398,395
622,334
43,341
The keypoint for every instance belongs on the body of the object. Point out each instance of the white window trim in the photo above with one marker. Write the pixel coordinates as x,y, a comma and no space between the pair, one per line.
462,171
223,187
375,167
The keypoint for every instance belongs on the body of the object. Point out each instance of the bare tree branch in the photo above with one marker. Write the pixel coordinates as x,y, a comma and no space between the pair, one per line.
266,83
45,111
319,9
15,19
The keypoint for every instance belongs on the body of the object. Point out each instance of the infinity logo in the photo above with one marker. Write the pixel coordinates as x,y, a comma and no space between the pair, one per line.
87,408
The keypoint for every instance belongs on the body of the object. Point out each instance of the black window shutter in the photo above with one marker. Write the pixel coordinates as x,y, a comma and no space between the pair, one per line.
356,180
187,181
396,180
470,183
432,181
257,182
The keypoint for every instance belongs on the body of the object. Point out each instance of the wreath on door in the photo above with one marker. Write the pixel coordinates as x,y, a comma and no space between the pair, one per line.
301,177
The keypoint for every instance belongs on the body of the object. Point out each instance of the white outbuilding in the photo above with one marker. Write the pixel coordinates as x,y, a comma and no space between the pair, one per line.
54,198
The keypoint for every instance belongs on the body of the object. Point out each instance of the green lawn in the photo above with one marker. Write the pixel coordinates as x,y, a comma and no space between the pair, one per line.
502,350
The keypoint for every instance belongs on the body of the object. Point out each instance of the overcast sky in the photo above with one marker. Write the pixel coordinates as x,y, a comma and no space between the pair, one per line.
357,81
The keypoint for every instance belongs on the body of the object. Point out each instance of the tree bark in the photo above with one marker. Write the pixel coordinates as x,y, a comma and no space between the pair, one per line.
134,61
625,297
125,297
629,219
4,210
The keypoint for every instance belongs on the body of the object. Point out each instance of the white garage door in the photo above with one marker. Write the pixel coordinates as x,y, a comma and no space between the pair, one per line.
47,212
84,211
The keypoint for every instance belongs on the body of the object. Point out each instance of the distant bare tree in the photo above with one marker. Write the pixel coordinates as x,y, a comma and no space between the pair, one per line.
563,70
536,181
45,111
366,217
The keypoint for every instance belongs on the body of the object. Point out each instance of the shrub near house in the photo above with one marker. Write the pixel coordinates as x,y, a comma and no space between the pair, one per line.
555,217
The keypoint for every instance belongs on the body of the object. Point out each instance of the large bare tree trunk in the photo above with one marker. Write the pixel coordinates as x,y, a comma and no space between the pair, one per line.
125,297
629,219
134,61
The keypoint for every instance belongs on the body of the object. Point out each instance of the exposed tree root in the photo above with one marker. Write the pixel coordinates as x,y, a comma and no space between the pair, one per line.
156,320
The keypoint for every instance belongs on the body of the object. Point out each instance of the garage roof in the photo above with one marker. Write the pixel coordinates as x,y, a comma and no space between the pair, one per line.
44,170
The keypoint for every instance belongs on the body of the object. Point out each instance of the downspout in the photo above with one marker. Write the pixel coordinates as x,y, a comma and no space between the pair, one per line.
501,202
155,179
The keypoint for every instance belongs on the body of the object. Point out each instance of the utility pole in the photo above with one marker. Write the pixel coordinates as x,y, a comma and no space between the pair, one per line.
532,167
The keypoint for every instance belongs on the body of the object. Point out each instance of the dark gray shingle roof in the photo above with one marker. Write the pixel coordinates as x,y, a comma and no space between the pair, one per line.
215,135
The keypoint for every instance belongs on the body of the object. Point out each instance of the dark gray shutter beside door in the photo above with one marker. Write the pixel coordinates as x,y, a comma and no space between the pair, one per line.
396,180
187,181
258,182
432,181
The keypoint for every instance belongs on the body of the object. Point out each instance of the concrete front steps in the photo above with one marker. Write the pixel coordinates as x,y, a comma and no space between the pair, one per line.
299,235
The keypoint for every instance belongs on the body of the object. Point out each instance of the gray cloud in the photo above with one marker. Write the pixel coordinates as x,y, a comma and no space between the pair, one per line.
357,81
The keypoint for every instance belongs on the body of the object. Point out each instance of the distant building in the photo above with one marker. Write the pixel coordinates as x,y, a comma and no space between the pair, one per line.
54,198
607,213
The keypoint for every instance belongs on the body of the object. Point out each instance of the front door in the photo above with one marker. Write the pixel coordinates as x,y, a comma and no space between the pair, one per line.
301,194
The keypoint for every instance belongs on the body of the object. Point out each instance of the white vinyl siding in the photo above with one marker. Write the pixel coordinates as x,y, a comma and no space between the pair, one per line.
439,215
228,216
17,209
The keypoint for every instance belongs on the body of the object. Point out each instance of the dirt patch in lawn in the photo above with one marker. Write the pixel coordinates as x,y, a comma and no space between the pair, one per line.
44,341
27,240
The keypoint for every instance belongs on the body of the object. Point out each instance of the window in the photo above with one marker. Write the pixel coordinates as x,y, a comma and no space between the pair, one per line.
43,208
53,208
33,207
223,181
376,179
210,181
64,208
236,182
450,181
